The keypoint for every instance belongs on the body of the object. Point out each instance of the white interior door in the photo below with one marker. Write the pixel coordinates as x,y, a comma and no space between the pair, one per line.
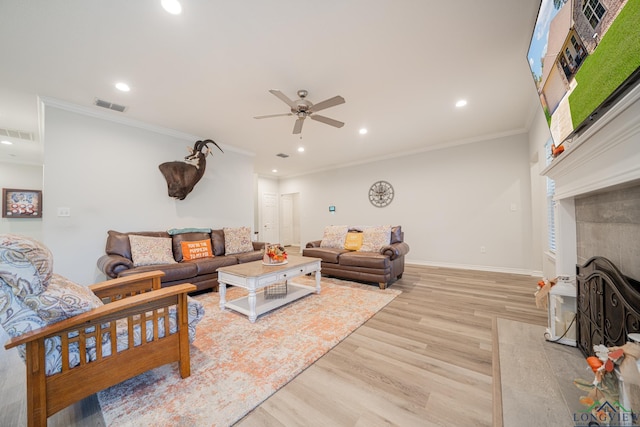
269,218
286,219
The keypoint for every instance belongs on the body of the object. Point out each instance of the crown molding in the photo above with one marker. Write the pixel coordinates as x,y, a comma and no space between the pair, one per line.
45,101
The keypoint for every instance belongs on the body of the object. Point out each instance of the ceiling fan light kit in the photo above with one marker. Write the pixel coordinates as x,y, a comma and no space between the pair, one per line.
303,108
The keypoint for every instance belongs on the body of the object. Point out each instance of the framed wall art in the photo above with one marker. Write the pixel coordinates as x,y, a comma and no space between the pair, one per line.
21,203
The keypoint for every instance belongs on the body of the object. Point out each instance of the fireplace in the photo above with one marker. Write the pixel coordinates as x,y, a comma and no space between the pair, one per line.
608,307
597,222
599,170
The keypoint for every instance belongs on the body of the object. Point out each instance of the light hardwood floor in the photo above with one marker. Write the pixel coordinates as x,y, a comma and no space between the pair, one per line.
425,359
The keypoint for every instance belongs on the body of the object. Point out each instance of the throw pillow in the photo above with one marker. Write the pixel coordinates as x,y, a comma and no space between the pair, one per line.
186,237
151,250
25,264
237,240
353,241
375,238
175,231
333,236
62,299
196,249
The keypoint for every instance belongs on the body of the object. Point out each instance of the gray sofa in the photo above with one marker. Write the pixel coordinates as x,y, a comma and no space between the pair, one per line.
203,272
381,267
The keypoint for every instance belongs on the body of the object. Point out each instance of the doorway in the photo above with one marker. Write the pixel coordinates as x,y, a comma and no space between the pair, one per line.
269,218
290,221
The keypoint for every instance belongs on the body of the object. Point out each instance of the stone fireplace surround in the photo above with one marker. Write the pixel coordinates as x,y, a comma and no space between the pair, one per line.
608,225
597,181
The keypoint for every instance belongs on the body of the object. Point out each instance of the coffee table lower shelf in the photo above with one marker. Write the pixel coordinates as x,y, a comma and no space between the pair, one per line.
255,277
263,305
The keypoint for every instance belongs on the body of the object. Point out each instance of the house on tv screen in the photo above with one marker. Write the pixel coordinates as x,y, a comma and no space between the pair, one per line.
574,33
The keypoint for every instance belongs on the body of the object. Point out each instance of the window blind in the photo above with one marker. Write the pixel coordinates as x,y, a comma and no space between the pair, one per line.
551,203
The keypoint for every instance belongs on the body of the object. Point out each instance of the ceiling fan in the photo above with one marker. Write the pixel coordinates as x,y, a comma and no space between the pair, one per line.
302,109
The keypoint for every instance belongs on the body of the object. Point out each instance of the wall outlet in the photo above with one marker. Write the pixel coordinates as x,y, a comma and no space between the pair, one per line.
483,250
64,211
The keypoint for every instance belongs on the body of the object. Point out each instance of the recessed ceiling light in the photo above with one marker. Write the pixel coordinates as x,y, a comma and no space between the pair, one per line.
363,131
6,142
300,149
274,170
172,6
461,103
123,87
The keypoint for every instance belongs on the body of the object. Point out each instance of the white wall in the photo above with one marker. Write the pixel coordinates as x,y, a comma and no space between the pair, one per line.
450,202
107,174
24,177
539,135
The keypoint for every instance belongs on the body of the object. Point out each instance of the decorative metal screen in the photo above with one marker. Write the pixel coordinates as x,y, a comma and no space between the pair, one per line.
608,305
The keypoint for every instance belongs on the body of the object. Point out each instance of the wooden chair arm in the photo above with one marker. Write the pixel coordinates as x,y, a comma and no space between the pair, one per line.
136,304
127,286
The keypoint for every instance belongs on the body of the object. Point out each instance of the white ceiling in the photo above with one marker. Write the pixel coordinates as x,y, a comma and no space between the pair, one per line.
401,66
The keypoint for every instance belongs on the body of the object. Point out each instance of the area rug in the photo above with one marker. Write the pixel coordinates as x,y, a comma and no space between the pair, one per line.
236,365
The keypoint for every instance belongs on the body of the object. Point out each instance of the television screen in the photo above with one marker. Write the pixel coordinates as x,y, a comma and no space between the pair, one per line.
584,57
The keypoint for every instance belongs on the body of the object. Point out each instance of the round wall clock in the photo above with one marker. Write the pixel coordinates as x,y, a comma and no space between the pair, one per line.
381,194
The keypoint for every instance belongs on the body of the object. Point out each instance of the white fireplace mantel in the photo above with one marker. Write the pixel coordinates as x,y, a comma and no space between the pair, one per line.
606,155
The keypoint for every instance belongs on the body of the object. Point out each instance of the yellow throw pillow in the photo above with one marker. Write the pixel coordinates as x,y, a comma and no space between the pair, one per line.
353,241
196,249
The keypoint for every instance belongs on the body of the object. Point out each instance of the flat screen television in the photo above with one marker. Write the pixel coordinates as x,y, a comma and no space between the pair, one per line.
584,57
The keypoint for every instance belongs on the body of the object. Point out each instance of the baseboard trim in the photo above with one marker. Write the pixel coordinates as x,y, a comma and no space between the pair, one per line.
493,269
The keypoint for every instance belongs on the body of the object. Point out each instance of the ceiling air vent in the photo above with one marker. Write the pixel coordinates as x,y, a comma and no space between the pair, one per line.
12,133
284,156
110,105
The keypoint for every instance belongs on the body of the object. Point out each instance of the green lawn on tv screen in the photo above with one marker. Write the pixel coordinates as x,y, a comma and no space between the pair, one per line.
615,58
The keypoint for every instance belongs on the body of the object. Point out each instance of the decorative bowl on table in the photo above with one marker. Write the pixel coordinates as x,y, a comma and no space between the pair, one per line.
274,255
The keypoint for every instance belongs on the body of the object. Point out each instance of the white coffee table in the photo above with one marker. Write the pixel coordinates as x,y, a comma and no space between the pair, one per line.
255,276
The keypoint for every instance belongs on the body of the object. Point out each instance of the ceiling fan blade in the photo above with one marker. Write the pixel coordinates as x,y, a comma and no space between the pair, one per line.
284,98
336,100
297,128
327,120
273,115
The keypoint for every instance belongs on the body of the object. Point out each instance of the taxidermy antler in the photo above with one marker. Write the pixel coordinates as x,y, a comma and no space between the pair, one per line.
183,176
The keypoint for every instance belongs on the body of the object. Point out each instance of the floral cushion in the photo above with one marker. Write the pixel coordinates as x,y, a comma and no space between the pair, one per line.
18,318
334,236
62,299
146,250
25,264
375,238
195,313
237,240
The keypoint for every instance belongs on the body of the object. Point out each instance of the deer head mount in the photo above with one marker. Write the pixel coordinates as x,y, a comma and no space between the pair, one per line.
182,176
